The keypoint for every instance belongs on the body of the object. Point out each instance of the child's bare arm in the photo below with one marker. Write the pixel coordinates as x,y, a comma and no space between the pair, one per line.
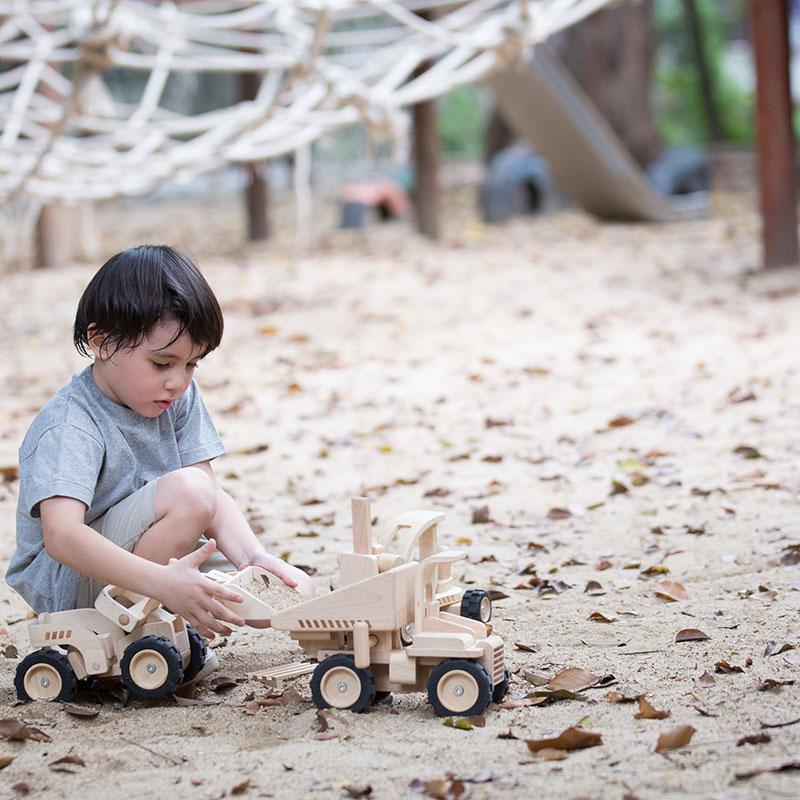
239,544
179,585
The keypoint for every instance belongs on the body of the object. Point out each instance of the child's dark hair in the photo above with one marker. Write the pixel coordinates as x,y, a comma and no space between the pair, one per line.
138,288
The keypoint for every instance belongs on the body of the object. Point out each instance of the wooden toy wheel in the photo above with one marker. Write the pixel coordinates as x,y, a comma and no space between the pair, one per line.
476,604
338,683
45,675
460,688
152,667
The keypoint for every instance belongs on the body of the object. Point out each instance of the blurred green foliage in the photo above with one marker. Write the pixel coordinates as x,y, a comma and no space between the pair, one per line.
463,116
678,102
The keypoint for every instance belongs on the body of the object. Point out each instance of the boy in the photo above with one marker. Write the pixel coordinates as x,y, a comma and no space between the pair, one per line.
116,484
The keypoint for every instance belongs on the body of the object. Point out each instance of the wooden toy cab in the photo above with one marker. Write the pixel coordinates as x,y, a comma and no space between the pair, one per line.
125,635
386,629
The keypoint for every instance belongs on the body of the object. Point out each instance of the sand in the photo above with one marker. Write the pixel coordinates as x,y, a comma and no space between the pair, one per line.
623,400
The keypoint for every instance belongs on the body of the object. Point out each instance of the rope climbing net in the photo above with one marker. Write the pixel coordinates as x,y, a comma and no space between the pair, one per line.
68,132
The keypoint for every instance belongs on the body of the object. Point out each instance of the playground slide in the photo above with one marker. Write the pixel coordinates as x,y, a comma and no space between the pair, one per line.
542,101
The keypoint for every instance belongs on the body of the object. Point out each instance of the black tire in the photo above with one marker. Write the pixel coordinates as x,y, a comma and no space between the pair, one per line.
198,651
338,683
47,664
459,688
476,604
164,659
501,690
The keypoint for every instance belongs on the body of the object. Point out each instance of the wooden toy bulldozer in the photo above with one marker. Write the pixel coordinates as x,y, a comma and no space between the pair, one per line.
126,635
386,628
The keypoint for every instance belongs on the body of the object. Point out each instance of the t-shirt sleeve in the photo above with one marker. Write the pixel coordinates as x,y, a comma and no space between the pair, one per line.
197,437
65,461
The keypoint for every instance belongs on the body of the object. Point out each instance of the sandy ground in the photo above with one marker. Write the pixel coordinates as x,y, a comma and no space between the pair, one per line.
526,369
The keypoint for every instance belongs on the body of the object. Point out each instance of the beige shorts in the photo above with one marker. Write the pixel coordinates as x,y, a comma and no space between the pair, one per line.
124,525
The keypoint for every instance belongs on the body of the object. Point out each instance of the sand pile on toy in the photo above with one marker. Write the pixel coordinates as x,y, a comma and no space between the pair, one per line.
269,589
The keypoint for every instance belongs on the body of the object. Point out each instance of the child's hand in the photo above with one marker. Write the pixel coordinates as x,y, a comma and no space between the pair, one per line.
186,591
291,576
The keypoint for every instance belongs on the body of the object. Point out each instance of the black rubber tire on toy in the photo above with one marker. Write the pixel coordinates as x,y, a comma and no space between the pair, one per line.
338,683
501,690
459,688
152,667
198,652
476,604
45,675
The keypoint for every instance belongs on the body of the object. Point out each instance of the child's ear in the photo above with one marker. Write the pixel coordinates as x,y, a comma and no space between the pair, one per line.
96,341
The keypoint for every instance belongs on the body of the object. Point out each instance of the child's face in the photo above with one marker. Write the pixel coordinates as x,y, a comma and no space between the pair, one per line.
147,378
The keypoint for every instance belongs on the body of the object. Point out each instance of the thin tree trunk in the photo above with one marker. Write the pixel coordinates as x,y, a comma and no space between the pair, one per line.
256,193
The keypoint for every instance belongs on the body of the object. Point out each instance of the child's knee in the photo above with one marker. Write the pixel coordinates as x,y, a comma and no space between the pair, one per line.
188,493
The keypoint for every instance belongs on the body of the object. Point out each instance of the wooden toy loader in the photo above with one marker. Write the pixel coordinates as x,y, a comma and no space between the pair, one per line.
386,628
125,635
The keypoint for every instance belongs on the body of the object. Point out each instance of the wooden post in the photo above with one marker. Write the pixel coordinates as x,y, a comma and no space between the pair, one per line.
426,193
777,183
425,153
53,237
256,193
362,526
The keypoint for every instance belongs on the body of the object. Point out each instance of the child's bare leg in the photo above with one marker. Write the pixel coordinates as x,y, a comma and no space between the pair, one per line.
186,503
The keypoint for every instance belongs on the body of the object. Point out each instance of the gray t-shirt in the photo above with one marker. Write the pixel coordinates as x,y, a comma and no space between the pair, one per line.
86,446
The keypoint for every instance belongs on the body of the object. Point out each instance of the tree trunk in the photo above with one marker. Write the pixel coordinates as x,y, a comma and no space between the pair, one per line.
425,153
611,56
256,192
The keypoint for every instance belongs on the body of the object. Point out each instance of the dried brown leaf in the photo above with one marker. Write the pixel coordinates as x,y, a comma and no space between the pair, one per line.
671,590
646,711
773,648
755,738
62,764
724,667
620,421
624,695
16,731
569,739
706,680
357,791
746,451
481,516
80,711
573,679
773,683
674,739
789,766
221,684
598,616
691,635
534,677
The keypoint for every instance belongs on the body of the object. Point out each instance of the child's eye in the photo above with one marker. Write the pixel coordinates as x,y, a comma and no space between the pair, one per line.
192,365
159,365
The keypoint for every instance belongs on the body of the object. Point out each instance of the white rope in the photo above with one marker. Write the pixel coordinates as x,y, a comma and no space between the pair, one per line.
324,64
